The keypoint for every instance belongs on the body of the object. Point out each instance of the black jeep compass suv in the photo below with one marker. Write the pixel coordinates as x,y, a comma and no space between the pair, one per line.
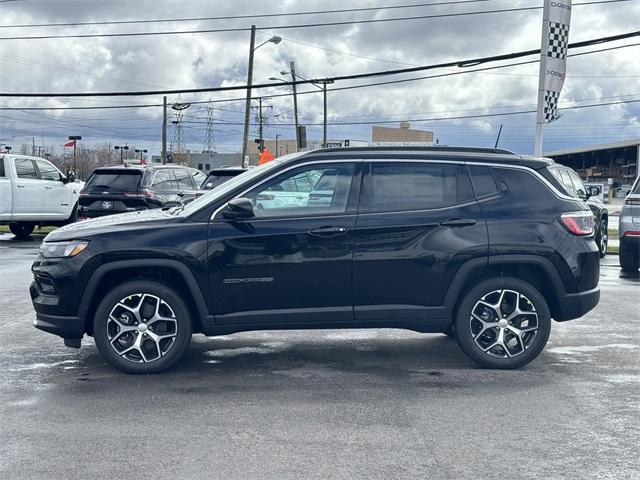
479,243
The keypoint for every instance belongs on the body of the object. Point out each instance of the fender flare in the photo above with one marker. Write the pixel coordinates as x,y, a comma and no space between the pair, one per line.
176,265
476,264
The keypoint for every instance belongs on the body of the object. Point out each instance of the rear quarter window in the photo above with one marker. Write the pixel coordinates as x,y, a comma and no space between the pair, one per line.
522,188
2,167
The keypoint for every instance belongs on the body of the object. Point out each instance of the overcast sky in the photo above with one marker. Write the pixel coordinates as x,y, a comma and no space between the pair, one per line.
214,59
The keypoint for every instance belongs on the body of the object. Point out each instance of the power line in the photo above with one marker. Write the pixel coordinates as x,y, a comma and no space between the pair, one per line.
456,63
238,17
298,26
460,117
237,100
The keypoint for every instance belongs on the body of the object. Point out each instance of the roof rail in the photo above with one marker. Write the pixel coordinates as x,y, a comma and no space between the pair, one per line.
435,148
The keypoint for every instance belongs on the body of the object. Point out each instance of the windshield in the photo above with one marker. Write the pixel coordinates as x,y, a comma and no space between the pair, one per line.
118,180
636,189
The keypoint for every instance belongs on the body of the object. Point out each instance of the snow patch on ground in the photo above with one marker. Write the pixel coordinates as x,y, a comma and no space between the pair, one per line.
623,378
361,335
583,349
263,349
37,366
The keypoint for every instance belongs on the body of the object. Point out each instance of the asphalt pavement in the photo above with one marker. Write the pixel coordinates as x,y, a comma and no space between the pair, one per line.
345,404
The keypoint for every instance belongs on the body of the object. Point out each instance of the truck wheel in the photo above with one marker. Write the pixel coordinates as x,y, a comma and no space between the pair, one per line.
142,327
22,230
74,215
629,258
503,323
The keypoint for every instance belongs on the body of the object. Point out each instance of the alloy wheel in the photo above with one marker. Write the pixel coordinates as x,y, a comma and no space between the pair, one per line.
504,323
604,238
142,328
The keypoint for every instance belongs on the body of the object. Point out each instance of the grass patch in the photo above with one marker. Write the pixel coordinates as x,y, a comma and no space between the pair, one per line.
5,229
614,232
612,249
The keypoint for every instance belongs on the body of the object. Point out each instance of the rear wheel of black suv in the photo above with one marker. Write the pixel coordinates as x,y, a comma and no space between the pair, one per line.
142,327
503,323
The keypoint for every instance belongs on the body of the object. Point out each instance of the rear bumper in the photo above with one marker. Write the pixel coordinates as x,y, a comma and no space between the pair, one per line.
575,305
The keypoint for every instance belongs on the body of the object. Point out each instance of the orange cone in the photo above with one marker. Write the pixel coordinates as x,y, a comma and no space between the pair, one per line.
265,157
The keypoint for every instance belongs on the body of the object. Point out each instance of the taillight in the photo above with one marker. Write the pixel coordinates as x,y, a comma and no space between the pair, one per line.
578,223
632,233
144,193
632,201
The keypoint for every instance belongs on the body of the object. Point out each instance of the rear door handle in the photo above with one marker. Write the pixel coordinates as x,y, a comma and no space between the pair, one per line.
49,188
329,231
20,186
458,222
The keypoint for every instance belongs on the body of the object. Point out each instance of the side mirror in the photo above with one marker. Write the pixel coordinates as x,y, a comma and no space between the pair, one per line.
238,208
64,179
592,191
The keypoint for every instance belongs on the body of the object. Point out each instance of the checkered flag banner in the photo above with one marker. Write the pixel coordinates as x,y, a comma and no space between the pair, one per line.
558,40
551,106
553,57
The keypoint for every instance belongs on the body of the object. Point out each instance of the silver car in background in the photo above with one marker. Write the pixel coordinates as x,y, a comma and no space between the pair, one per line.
630,230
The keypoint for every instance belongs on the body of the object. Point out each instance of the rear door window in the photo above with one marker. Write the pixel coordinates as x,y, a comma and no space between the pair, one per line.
164,181
25,168
398,186
2,167
484,183
114,181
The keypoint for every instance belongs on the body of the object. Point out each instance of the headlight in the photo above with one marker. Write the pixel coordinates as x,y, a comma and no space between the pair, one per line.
63,249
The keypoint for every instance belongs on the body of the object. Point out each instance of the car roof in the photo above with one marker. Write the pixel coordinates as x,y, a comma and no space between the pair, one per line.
468,154
227,170
137,166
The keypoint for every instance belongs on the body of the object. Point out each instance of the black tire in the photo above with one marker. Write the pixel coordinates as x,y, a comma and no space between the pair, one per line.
22,230
602,237
74,215
629,258
182,330
450,332
524,353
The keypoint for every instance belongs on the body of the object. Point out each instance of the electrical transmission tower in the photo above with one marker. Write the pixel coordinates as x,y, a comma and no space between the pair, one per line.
209,140
177,145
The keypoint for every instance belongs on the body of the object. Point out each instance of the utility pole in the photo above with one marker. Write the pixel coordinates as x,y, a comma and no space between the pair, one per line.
247,107
324,93
292,66
261,119
33,146
164,130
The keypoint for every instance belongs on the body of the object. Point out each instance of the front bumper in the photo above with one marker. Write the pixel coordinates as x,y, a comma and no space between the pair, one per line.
575,305
65,327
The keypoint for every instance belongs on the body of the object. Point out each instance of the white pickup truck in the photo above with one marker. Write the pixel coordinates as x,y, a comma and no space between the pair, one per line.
34,192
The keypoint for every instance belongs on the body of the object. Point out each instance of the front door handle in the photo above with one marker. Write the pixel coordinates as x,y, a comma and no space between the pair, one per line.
458,222
328,231
49,188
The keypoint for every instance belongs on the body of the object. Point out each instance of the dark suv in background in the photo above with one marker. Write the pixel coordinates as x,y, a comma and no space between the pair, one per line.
129,188
571,183
475,242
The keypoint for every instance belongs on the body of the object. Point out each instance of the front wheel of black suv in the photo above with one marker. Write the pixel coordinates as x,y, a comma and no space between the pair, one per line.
142,327
503,323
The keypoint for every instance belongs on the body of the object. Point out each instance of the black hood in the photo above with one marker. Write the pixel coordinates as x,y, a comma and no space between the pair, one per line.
113,223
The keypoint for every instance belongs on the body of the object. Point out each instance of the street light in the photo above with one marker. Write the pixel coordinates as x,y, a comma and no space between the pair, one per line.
247,109
75,139
122,150
141,152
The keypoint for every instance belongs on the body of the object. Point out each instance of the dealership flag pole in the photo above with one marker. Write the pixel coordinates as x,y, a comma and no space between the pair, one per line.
556,19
